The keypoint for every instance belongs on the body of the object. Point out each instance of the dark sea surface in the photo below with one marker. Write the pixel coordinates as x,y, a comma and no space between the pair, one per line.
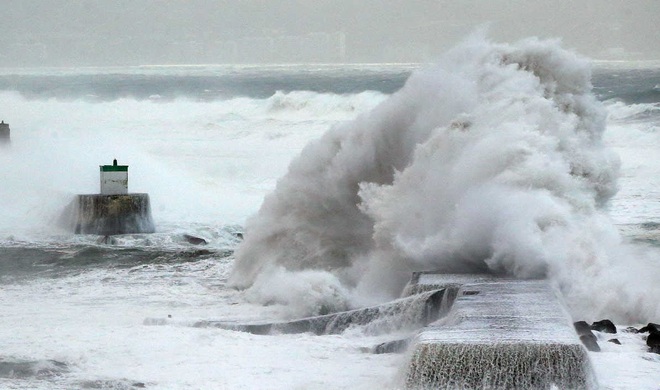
628,85
258,83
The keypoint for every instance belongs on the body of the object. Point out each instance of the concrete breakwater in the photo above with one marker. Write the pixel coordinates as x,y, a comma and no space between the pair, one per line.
498,334
109,214
467,332
406,313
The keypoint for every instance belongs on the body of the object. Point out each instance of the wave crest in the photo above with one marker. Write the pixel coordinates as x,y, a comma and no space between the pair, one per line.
316,104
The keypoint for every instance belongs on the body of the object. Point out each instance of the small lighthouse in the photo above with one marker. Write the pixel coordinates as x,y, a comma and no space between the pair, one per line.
114,179
4,132
114,210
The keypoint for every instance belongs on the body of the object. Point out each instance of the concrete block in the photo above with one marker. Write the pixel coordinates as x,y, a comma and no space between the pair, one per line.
109,214
512,334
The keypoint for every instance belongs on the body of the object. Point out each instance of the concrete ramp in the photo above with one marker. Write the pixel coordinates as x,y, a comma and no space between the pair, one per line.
498,334
406,313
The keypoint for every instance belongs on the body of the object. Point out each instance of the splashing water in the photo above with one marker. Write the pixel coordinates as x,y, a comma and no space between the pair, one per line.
400,315
462,366
491,161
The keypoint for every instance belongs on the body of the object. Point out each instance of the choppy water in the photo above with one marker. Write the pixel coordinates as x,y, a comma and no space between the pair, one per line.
207,144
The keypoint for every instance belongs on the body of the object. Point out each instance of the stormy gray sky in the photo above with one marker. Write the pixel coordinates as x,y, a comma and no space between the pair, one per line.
140,32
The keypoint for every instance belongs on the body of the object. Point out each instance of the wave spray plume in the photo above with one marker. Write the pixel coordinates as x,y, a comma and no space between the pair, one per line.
490,161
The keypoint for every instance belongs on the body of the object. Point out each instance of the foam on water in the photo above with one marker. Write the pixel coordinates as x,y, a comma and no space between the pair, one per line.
92,322
633,133
491,161
201,162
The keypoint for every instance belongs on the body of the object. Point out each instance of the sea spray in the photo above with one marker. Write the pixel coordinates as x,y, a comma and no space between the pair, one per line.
491,161
201,162
499,366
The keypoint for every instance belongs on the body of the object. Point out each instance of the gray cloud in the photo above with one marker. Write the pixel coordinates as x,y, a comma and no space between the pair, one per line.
136,32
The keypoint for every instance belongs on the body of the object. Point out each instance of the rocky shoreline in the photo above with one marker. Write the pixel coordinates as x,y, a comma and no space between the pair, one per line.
649,333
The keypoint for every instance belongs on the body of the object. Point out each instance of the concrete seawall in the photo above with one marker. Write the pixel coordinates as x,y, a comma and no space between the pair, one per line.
405,313
498,333
109,214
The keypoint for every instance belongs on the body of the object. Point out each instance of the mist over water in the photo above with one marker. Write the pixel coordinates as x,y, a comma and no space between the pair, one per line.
491,161
202,162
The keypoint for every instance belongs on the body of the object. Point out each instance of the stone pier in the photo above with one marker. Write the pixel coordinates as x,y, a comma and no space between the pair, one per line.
110,214
498,333
113,211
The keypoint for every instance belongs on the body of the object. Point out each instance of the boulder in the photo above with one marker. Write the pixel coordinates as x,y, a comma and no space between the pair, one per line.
589,340
653,341
605,326
650,328
395,346
614,341
581,327
194,240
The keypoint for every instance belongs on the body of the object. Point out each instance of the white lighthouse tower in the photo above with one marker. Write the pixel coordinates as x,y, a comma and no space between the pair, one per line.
114,179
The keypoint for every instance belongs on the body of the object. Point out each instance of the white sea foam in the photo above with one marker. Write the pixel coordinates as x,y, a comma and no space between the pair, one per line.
493,159
201,162
94,323
621,112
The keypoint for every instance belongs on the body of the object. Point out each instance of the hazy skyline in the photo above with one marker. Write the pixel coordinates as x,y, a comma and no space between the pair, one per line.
140,32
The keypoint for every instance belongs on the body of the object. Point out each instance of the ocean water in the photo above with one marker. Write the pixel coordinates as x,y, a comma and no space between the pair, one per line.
324,169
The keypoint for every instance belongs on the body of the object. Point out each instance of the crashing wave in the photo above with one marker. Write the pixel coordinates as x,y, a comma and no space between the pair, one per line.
490,161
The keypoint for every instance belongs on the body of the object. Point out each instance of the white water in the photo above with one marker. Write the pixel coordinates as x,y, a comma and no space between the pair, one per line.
492,160
94,323
210,164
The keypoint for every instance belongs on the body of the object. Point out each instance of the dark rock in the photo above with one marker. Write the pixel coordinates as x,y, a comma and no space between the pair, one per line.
238,235
631,329
653,341
581,327
615,341
395,346
605,326
194,240
651,328
104,240
589,341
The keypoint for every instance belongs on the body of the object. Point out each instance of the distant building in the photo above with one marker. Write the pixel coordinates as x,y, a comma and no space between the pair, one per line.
4,132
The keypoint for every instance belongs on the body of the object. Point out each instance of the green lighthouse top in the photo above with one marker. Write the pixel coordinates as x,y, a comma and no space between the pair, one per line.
114,167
